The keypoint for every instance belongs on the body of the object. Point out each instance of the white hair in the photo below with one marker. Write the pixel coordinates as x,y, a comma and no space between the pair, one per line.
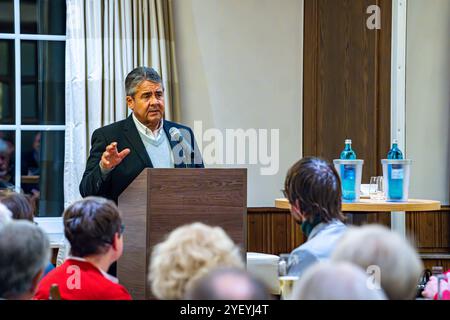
335,281
396,259
5,215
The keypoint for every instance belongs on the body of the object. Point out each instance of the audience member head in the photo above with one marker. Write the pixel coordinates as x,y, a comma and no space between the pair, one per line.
18,204
5,215
24,254
5,159
228,284
93,227
313,189
335,281
377,247
188,253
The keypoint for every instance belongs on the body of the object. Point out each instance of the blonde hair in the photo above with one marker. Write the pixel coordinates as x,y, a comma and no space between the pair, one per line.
189,253
398,262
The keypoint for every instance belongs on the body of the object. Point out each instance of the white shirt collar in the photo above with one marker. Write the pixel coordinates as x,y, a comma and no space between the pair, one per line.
146,131
106,275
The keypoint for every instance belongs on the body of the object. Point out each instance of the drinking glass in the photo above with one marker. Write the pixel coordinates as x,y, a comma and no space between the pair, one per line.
376,188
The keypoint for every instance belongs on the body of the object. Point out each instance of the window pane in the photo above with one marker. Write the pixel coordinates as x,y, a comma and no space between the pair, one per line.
7,143
7,95
43,17
42,169
43,70
6,16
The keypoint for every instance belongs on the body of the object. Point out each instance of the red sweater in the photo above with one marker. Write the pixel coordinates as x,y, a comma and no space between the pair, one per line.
80,280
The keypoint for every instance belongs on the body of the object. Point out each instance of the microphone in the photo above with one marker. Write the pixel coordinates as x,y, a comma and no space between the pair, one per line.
176,135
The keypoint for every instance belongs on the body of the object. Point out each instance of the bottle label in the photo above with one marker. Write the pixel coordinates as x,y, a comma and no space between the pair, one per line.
397,172
349,172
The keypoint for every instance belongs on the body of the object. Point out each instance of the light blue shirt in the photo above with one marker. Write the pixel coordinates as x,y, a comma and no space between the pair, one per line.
319,247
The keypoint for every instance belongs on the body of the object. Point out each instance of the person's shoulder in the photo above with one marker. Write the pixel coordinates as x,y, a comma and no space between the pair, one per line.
112,128
56,276
304,250
334,226
177,125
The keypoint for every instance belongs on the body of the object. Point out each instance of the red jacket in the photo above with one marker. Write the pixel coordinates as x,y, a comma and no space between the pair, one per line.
81,280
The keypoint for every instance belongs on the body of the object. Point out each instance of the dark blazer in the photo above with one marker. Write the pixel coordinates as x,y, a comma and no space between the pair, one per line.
126,135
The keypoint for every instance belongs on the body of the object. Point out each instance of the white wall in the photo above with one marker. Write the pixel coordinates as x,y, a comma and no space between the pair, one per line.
240,66
428,98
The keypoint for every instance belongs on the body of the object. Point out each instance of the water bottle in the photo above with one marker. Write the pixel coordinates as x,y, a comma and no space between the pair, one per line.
348,172
395,152
395,173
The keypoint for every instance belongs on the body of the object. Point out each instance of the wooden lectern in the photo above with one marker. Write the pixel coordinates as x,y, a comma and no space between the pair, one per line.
159,200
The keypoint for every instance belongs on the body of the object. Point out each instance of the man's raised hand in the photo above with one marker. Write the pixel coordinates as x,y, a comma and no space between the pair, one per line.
112,157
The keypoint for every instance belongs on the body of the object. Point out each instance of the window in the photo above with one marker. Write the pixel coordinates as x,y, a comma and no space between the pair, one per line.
32,100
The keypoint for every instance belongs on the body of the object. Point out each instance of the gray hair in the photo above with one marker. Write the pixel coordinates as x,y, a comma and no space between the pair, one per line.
5,215
396,259
335,281
135,77
24,252
228,284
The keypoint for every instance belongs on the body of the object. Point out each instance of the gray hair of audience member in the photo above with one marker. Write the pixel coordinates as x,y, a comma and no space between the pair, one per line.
378,248
24,254
137,75
5,215
228,284
335,281
188,253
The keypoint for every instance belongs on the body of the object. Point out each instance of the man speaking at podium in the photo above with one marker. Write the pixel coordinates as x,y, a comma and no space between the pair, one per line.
120,151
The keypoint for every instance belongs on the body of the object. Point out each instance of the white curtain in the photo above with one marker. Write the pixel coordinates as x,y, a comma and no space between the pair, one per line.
106,39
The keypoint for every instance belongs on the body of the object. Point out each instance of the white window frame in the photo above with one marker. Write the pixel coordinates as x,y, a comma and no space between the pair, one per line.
52,225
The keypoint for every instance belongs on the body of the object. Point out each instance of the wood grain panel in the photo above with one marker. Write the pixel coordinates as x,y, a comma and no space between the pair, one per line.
134,260
346,81
430,232
160,200
272,230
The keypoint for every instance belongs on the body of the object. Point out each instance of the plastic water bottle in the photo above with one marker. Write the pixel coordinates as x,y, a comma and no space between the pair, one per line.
348,172
395,172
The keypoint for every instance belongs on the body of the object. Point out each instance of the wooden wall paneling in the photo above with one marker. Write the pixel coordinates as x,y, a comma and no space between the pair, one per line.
430,232
430,263
310,79
279,232
255,236
272,231
346,81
